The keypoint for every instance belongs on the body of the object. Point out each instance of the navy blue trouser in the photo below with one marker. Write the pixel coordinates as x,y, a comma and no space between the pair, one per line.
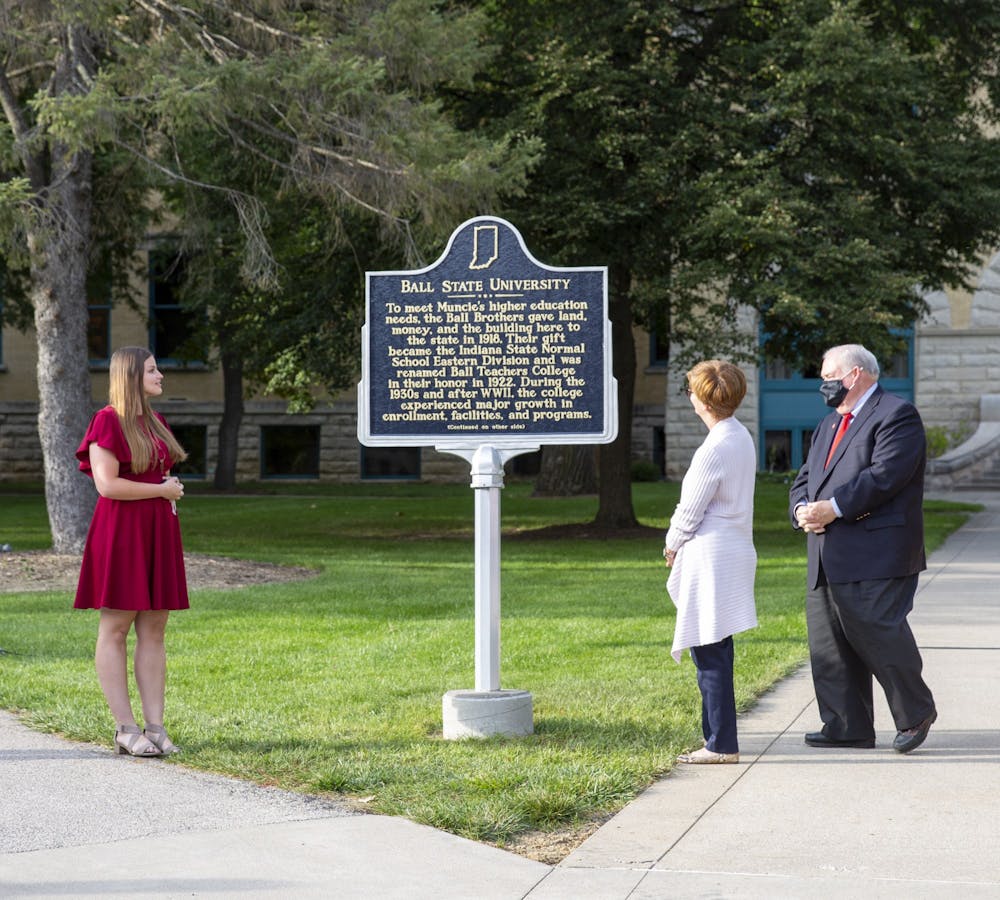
714,663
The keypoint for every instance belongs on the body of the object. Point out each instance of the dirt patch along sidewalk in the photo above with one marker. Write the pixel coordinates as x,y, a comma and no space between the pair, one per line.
42,570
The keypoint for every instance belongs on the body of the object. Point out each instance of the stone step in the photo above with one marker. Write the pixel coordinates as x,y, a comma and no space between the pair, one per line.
980,484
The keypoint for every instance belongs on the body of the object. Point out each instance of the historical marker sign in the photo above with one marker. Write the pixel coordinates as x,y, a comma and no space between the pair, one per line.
487,346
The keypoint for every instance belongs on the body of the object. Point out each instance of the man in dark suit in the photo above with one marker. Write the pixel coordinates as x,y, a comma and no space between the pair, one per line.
859,498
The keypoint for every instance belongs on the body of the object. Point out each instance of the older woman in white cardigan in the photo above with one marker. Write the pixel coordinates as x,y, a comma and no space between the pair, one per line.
709,548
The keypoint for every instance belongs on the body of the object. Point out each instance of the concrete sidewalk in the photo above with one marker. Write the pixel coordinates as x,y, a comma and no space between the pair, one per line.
789,821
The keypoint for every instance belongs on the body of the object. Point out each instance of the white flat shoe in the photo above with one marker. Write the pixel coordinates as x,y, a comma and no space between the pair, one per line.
704,756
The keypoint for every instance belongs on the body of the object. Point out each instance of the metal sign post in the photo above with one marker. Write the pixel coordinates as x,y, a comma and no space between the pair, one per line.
488,709
487,354
487,480
486,466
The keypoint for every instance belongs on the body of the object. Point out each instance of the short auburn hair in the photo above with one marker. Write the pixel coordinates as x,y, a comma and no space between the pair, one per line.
721,386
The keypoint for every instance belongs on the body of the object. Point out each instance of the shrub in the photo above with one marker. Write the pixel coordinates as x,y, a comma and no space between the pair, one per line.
645,470
940,439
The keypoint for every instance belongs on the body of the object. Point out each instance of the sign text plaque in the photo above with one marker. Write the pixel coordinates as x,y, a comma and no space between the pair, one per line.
487,346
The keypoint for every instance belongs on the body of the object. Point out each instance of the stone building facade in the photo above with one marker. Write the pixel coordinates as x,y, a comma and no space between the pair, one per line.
953,374
958,351
955,365
272,444
685,431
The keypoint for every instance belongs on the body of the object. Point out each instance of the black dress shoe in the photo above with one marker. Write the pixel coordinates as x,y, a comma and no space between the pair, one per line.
913,737
819,739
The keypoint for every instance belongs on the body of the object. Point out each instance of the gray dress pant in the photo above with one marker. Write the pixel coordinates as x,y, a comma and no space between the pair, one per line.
858,630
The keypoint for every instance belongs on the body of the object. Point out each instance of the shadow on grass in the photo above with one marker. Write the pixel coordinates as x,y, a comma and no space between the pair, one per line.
584,531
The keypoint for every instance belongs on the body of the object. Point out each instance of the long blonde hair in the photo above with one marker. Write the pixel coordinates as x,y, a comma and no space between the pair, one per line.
126,395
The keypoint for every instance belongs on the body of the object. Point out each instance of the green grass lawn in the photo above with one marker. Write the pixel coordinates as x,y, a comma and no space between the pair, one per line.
335,684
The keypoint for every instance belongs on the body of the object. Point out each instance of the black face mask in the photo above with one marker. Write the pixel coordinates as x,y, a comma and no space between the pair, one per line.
833,392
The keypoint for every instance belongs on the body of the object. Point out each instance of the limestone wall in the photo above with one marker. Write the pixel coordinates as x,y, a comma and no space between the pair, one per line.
685,431
339,458
958,351
957,361
194,397
20,450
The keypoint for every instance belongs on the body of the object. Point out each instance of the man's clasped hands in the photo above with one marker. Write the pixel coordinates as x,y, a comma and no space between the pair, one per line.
814,517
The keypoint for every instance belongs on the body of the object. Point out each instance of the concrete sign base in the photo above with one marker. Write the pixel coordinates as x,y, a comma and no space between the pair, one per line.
485,713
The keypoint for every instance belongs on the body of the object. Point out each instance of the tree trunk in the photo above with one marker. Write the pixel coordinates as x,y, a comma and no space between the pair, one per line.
567,470
232,418
60,249
615,510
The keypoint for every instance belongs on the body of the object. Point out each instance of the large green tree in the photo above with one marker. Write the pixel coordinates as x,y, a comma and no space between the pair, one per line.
295,332
858,172
330,98
813,162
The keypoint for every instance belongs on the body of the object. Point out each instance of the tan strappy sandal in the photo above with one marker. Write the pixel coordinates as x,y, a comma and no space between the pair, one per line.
130,741
157,735
704,756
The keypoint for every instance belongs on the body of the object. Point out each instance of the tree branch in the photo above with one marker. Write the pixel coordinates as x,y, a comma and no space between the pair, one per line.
32,161
218,46
300,172
319,150
257,24
170,13
260,263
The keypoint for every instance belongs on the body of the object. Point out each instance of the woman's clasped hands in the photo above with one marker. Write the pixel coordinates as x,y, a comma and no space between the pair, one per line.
173,490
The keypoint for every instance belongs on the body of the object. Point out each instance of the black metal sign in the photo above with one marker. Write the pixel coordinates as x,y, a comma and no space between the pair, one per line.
487,345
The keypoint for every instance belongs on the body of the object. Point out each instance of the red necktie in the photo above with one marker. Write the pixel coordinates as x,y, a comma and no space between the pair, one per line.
844,422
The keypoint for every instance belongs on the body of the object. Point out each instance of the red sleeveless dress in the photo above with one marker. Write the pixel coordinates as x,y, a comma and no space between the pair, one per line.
133,558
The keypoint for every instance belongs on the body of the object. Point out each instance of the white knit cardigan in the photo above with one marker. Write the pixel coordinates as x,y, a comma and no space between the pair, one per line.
712,579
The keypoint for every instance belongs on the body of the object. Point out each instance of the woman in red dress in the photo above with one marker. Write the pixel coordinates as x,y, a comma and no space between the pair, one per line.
133,563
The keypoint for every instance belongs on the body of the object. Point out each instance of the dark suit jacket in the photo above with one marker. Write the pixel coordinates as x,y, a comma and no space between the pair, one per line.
877,477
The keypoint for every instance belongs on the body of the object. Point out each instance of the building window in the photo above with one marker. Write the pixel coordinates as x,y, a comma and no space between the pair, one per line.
289,451
659,351
194,439
99,332
778,450
777,370
660,450
898,366
99,312
171,326
390,462
783,447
